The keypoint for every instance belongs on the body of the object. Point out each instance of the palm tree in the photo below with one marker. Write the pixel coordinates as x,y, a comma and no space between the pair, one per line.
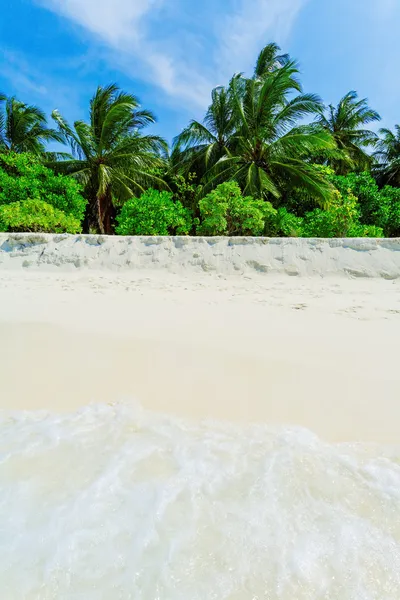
201,145
269,151
346,123
388,157
110,155
23,128
269,60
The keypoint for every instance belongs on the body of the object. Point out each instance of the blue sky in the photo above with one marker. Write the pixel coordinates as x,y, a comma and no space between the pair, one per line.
171,53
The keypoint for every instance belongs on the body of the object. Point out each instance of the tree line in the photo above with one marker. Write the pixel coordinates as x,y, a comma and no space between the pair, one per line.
267,159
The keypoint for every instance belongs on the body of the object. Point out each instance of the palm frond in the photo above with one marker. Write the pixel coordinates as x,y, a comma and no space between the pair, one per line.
346,122
69,136
387,156
110,155
300,174
269,60
23,127
296,109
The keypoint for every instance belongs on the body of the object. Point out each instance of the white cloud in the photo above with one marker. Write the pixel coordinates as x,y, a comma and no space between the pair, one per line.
178,79
230,43
14,68
36,84
254,25
121,25
115,21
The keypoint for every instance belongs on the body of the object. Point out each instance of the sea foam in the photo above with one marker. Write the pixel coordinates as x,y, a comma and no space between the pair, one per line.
113,502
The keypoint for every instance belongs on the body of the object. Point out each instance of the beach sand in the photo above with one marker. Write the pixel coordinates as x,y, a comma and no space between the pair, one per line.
310,352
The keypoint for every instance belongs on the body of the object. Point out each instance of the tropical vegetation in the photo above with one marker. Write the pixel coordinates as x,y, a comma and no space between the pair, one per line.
24,177
36,215
110,156
225,211
154,213
23,128
267,159
387,157
347,124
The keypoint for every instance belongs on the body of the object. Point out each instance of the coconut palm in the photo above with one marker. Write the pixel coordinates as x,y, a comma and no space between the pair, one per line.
269,60
387,156
268,153
347,122
23,128
110,155
201,145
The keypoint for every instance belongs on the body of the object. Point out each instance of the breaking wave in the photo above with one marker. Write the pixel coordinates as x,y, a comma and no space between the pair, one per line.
113,502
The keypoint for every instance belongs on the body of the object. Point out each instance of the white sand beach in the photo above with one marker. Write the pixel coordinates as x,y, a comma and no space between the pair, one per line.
320,353
166,419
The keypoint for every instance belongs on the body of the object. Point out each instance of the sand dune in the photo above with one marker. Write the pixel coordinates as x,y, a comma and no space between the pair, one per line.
188,255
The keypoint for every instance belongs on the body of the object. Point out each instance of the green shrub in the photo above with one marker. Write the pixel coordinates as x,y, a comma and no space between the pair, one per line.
378,207
287,224
185,190
336,221
340,219
224,211
36,216
360,230
154,213
364,187
390,198
23,177
378,210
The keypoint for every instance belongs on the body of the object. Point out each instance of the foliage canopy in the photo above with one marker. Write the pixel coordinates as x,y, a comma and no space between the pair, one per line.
224,211
111,157
36,216
267,159
154,213
24,177
23,128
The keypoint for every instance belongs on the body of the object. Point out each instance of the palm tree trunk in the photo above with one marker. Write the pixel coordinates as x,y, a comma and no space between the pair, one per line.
100,213
105,213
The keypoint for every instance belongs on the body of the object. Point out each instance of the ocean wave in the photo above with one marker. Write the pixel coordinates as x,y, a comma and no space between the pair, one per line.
114,502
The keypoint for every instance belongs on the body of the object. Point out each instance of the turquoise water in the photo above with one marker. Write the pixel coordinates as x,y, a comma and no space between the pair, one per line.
113,502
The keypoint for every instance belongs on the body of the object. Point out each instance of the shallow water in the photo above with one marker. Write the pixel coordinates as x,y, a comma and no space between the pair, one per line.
113,502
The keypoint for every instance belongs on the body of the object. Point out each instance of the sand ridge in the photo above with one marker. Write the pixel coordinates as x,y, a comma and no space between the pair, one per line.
221,255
